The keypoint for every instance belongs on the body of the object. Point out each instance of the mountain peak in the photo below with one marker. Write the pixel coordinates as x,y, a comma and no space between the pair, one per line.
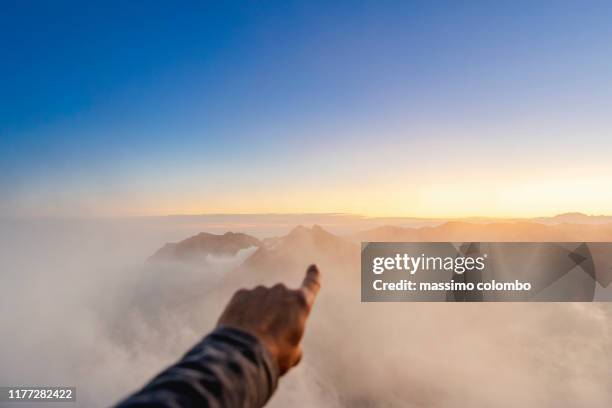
318,229
315,232
301,246
571,214
204,244
300,229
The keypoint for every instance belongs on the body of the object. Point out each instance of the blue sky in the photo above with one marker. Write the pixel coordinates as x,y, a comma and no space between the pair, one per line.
381,108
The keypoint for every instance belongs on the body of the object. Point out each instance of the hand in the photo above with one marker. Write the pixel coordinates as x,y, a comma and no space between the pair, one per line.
276,316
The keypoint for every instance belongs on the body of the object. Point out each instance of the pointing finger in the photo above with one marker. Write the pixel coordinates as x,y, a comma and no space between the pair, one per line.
311,284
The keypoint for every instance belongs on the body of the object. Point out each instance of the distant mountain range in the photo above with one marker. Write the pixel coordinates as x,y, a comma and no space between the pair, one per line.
268,225
575,218
304,245
518,231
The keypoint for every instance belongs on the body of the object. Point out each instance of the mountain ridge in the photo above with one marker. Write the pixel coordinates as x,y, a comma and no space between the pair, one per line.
315,244
205,244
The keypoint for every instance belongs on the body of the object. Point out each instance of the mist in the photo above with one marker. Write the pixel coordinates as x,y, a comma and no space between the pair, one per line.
82,306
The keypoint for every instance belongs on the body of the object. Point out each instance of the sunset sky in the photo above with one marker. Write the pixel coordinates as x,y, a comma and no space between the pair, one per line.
378,108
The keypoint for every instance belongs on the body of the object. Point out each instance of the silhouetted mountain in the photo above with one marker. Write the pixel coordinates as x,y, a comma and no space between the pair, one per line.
290,254
204,244
301,247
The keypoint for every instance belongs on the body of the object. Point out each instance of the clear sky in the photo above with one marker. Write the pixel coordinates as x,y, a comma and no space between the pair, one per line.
377,107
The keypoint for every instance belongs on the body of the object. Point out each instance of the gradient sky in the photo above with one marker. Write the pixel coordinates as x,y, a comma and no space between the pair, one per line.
379,108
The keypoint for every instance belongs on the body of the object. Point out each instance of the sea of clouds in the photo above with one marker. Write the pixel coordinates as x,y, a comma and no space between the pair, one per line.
82,307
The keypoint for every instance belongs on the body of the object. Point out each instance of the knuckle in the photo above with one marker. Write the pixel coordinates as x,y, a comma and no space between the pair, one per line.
240,293
279,287
238,297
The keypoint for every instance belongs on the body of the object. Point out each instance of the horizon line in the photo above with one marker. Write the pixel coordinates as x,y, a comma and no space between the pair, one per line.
296,214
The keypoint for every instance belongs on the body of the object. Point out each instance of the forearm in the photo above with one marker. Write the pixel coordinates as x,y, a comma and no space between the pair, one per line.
228,368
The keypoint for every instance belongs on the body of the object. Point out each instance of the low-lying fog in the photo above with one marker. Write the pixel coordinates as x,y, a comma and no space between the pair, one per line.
80,307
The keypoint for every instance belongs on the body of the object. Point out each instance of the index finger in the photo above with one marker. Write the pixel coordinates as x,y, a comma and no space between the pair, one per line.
311,284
